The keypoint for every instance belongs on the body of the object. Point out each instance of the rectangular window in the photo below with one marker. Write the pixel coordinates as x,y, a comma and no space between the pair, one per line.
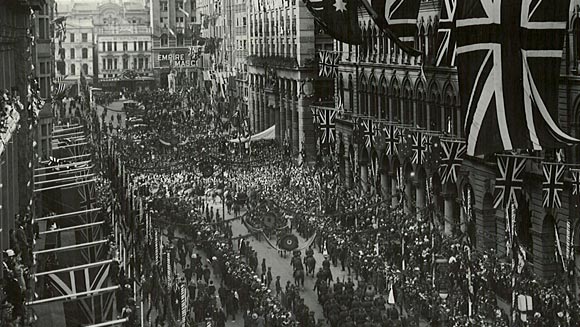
104,64
140,63
85,37
115,45
44,87
109,63
42,28
146,45
109,46
115,63
163,5
135,46
85,53
72,53
72,37
125,63
146,63
125,46
140,46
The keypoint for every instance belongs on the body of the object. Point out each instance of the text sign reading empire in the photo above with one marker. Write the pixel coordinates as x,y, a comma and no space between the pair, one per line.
176,60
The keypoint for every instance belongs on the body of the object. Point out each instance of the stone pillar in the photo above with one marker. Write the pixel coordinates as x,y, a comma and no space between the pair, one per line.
306,137
294,112
281,121
420,196
385,185
394,191
364,177
347,173
408,195
448,213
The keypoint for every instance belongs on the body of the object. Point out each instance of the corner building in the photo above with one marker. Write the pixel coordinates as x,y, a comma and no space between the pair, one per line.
282,70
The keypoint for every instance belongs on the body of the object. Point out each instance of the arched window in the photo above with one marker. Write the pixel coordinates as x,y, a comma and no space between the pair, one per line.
73,69
362,95
435,111
384,101
396,101
164,40
421,108
350,94
364,45
341,88
179,39
85,69
449,114
576,45
430,43
407,105
373,99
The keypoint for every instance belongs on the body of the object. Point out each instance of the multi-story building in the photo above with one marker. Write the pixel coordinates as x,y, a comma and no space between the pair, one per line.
123,43
283,39
172,27
377,81
79,42
16,61
44,69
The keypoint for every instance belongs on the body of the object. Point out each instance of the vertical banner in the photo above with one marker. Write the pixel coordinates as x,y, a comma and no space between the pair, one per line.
184,302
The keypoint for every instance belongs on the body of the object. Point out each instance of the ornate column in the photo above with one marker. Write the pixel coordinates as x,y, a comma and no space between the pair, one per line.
394,190
385,184
420,195
449,213
364,176
281,121
306,137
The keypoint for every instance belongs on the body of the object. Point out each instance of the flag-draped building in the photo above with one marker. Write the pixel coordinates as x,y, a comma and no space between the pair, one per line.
440,100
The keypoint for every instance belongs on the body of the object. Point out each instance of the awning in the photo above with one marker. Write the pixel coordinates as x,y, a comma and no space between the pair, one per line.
267,134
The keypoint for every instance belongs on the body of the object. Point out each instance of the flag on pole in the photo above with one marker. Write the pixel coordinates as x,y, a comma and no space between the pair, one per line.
328,63
553,185
510,181
509,85
338,18
327,125
446,41
452,159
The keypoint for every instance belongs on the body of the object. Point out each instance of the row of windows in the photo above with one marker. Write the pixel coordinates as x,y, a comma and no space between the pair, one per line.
178,39
84,53
137,46
276,49
138,63
84,37
73,69
402,106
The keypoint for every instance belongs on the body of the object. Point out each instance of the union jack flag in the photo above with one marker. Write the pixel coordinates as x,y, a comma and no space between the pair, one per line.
419,148
553,185
59,88
368,132
505,81
314,111
392,140
85,309
509,182
447,43
327,125
452,159
328,63
398,16
575,174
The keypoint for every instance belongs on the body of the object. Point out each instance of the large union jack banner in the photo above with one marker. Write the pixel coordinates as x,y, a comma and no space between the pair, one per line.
446,41
398,16
553,184
419,148
510,181
508,62
327,125
451,160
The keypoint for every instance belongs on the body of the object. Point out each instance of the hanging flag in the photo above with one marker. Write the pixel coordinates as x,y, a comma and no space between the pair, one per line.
368,132
328,63
379,137
452,159
509,85
419,147
433,155
392,140
398,17
314,111
509,181
339,18
446,41
553,185
327,125
575,174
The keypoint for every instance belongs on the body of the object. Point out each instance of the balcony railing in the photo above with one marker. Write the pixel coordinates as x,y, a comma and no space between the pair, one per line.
124,29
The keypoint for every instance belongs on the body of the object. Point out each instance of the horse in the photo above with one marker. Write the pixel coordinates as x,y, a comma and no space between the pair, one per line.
310,263
299,276
296,263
